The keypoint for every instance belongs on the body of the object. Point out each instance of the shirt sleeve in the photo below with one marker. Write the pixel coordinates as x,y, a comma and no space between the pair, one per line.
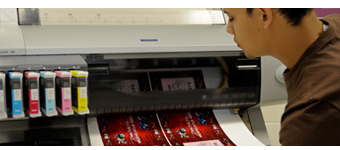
315,122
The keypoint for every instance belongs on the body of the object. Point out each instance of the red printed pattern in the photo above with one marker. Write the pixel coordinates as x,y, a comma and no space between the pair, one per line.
126,130
144,130
186,127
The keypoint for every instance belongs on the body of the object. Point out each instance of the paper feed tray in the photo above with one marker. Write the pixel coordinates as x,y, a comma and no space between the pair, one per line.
222,128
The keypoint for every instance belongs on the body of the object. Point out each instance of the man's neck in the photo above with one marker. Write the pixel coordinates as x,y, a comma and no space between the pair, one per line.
294,41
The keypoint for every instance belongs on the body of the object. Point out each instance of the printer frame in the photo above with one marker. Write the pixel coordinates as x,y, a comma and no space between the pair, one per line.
105,50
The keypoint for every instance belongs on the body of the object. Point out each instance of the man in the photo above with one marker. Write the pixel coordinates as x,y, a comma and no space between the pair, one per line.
310,49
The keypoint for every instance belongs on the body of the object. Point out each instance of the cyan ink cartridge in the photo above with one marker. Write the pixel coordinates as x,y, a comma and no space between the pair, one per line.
79,91
32,96
47,93
15,83
63,92
3,107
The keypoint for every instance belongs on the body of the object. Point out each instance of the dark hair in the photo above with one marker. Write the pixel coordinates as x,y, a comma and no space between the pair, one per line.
293,15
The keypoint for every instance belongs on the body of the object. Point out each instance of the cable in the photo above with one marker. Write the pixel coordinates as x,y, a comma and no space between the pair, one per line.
225,75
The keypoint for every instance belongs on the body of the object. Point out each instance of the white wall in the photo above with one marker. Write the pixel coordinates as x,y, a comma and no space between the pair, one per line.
272,118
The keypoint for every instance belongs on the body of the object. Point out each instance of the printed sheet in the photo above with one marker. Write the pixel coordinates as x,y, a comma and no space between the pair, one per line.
183,128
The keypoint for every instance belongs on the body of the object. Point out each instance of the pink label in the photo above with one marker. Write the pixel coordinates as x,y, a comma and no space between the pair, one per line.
58,73
204,143
66,99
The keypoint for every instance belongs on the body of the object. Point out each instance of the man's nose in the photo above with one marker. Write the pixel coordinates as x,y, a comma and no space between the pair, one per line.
230,29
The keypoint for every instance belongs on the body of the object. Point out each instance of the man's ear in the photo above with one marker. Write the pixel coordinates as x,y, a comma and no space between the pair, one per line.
267,17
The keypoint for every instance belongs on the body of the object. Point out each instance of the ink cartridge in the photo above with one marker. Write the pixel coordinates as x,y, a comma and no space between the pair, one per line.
16,94
47,93
79,91
31,93
63,92
3,107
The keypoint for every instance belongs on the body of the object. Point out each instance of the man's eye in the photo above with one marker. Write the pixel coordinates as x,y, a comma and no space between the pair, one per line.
231,19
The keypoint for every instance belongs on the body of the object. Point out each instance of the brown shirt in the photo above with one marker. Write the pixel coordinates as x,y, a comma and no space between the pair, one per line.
312,114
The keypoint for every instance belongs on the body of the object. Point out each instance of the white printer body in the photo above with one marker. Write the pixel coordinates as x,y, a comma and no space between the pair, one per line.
113,53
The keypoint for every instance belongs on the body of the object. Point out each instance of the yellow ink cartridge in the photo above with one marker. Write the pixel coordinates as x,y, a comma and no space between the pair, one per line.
79,92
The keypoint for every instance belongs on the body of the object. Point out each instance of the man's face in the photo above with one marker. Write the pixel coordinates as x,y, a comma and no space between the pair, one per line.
246,30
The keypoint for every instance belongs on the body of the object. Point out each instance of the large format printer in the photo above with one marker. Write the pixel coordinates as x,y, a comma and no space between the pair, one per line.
133,61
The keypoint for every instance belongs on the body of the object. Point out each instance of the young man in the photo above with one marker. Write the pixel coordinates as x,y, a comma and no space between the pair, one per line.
310,49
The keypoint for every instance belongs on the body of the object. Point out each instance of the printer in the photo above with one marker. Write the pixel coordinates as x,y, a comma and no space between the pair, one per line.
63,71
